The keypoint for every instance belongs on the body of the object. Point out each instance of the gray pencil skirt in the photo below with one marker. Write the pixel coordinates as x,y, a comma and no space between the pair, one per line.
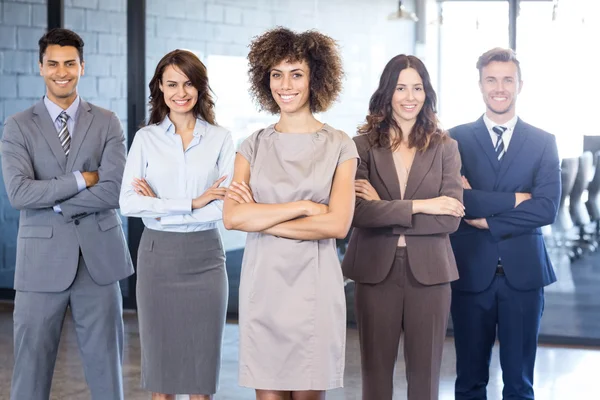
182,294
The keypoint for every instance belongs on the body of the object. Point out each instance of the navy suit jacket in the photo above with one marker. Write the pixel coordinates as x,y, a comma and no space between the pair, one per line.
530,165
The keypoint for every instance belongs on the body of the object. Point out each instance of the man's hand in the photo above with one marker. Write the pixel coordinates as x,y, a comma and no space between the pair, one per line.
91,178
465,183
479,223
521,197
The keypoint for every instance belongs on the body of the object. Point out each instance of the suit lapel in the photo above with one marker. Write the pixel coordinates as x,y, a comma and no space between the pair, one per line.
82,125
518,139
420,167
43,121
482,135
386,169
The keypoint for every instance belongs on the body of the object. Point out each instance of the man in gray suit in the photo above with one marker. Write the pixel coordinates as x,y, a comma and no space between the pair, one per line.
63,161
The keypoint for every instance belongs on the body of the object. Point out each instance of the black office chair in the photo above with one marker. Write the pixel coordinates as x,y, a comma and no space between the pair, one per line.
593,201
577,207
563,228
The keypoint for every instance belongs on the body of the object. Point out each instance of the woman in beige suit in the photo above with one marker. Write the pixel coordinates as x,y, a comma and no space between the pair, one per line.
293,191
409,199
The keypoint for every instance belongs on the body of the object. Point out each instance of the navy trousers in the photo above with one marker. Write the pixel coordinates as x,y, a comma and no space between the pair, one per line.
513,315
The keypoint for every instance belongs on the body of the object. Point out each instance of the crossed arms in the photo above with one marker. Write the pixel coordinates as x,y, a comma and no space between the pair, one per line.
26,192
510,214
300,220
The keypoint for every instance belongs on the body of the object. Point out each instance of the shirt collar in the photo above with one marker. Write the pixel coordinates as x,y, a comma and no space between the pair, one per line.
199,129
510,124
55,110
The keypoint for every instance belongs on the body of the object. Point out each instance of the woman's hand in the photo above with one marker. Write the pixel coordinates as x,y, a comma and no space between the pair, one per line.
442,205
241,193
364,190
142,187
212,193
311,208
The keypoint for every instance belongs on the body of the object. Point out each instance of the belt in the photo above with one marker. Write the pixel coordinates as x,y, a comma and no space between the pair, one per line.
499,269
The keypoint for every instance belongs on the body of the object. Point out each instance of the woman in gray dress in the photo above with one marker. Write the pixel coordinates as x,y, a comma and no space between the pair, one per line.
293,192
171,180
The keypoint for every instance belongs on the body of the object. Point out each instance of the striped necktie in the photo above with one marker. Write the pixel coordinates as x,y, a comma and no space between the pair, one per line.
499,149
63,135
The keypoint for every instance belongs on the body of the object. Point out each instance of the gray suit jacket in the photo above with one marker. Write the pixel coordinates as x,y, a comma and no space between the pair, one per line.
38,175
378,224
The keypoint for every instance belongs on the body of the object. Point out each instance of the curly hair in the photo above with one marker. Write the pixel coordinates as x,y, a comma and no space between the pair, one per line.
380,120
194,69
320,52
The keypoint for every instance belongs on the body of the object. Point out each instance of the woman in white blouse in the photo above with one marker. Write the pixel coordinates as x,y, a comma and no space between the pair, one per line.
175,179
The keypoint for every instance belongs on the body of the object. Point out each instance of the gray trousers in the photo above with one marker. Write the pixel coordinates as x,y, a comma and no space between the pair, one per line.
97,316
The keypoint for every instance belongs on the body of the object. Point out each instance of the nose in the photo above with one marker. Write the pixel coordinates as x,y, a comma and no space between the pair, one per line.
286,82
181,91
411,95
61,71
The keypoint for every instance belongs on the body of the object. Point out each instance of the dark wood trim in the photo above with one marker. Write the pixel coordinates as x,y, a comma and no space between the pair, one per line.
56,14
513,14
136,113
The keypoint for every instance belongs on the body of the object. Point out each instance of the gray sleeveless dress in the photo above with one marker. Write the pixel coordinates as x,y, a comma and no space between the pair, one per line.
292,313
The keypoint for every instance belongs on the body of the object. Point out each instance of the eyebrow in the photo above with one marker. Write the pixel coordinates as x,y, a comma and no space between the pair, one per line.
67,61
407,84
171,81
294,70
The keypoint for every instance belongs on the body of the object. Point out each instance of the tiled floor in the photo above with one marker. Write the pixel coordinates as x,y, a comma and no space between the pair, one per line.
561,373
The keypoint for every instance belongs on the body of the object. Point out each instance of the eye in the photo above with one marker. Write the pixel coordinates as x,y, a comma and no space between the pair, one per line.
188,84
275,75
400,88
171,85
419,88
297,75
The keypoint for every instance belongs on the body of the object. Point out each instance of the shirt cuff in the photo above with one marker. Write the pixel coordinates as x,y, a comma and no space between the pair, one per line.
81,185
57,209
178,206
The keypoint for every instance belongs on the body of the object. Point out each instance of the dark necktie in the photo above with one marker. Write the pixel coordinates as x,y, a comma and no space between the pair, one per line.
499,149
63,135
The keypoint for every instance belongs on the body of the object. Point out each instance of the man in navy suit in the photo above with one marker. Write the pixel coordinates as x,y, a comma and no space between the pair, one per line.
511,177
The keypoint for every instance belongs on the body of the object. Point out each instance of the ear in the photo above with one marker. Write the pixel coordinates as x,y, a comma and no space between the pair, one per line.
82,68
520,87
40,66
160,86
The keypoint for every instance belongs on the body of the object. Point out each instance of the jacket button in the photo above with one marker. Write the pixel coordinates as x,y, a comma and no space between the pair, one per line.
76,222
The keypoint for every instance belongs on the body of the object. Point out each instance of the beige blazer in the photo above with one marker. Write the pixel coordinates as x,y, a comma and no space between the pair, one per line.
378,224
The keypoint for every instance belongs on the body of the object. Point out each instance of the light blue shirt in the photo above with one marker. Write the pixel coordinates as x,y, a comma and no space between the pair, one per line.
177,176
55,110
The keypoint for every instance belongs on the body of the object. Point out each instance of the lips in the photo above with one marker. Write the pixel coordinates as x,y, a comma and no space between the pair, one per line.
287,98
409,107
181,102
62,83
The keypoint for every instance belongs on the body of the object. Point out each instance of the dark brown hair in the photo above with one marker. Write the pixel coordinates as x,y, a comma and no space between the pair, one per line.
194,69
280,44
62,37
498,54
380,120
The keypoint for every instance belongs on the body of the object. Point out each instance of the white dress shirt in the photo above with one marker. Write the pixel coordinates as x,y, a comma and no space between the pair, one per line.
177,176
55,110
507,135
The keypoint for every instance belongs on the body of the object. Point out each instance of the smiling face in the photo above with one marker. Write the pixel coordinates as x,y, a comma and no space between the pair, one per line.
179,93
61,69
290,86
409,96
500,86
